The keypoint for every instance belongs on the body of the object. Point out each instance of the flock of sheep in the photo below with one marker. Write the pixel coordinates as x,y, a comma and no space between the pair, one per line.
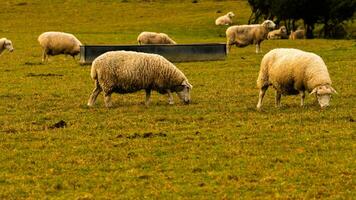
288,71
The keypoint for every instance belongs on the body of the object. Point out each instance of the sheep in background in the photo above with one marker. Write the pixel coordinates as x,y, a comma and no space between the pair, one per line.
5,44
225,19
55,43
292,72
243,35
154,38
298,34
127,72
281,33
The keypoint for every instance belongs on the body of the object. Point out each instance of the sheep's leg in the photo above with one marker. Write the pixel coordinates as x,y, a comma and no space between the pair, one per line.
170,97
229,43
260,97
44,56
278,99
148,97
228,47
302,97
258,48
107,100
94,94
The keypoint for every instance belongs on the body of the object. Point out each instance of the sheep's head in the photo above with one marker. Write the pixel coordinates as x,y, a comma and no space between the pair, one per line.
323,94
283,29
183,91
230,14
269,24
8,45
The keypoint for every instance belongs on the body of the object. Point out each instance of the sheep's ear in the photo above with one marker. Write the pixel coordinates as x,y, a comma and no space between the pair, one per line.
333,90
186,83
314,90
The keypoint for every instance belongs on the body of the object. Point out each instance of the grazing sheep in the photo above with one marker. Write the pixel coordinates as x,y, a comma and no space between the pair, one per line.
154,38
127,72
298,34
243,35
55,43
292,72
280,33
5,44
225,19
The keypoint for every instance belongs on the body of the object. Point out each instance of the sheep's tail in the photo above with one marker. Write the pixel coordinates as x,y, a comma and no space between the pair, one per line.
262,80
93,73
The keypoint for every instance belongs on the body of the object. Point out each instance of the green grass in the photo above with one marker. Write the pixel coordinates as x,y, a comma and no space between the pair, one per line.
218,147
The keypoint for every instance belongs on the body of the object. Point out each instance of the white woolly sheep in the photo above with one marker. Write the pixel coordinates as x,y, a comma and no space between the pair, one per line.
154,38
298,34
55,43
243,35
292,72
225,19
127,72
5,44
280,33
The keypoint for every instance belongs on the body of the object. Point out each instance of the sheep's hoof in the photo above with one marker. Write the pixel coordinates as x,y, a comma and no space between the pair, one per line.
109,105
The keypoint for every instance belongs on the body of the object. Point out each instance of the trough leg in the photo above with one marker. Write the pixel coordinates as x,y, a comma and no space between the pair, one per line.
148,97
107,100
94,94
260,97
170,97
302,97
278,99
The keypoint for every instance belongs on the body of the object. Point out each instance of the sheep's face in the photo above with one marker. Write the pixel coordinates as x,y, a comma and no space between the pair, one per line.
269,24
283,29
183,91
323,94
8,45
231,14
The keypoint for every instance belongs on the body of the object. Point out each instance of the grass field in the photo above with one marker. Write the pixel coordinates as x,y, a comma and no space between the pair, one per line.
218,147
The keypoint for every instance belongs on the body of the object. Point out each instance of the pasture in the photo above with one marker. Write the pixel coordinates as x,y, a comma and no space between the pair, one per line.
218,147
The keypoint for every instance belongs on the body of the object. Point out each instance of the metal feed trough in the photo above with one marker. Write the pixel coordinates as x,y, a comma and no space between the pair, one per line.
173,53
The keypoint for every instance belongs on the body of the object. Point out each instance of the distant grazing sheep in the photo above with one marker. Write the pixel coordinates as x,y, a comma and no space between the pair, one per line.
154,38
280,33
5,44
243,35
225,19
292,72
298,34
126,72
55,43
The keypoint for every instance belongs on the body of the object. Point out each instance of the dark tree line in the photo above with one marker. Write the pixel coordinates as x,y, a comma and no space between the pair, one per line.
330,13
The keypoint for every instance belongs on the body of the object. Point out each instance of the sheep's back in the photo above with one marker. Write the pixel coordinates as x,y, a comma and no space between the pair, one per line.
294,69
247,31
132,71
58,40
149,37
